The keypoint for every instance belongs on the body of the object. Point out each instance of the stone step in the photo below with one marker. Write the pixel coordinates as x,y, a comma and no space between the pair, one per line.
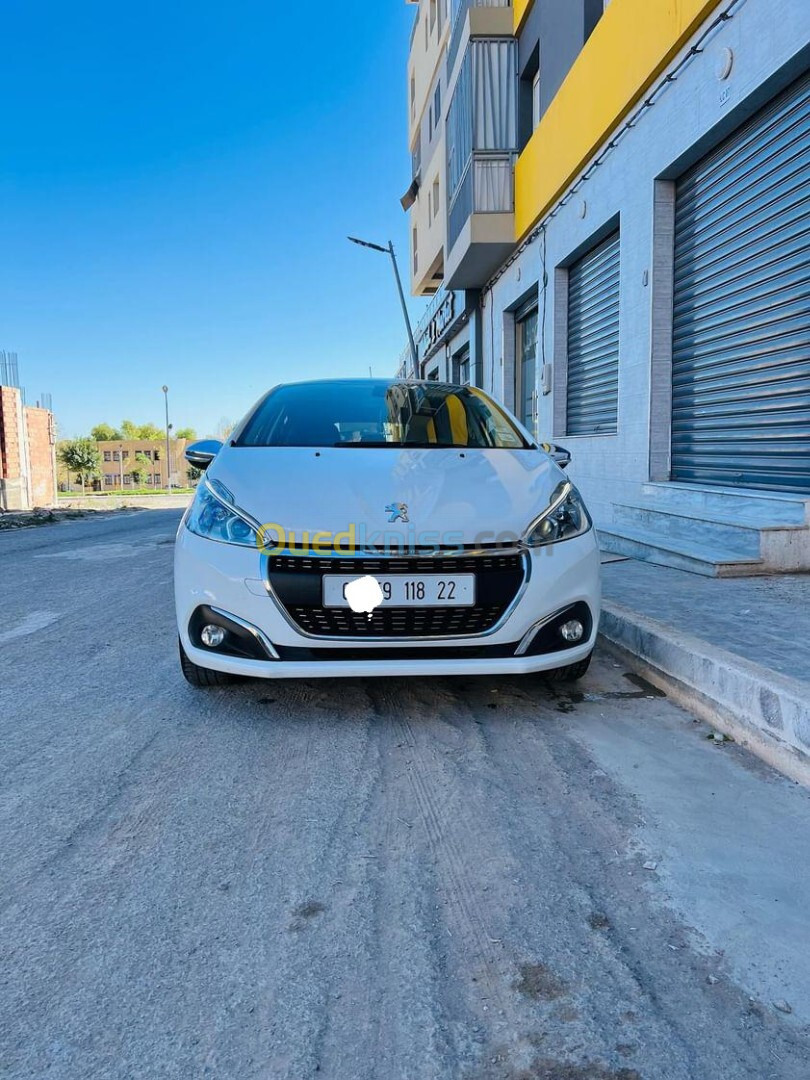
765,507
710,560
742,535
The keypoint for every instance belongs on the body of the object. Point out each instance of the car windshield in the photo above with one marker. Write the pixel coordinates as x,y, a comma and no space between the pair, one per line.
376,413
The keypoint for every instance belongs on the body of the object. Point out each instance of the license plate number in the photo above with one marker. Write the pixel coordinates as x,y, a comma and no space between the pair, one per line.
408,590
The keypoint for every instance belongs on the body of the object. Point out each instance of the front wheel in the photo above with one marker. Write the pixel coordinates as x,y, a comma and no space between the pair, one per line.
202,676
571,672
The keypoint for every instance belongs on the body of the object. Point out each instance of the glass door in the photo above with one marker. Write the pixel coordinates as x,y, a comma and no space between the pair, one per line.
526,369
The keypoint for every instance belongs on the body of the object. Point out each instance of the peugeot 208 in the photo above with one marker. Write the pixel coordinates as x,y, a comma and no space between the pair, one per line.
383,527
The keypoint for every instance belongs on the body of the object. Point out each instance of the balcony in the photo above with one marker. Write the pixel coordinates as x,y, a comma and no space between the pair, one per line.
481,222
482,150
459,19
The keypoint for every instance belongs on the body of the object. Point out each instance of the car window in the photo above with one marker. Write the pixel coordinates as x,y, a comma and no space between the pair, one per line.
381,414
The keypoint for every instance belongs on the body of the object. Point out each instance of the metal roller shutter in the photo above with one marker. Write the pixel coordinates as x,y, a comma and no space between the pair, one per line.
741,321
592,405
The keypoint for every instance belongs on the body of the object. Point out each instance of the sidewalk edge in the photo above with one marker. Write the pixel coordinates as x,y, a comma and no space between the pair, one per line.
764,711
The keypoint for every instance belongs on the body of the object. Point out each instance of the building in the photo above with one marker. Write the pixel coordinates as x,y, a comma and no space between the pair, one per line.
118,456
27,453
625,254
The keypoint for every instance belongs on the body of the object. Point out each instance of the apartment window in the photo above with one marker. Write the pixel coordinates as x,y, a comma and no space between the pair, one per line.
116,455
156,455
108,480
529,100
416,157
147,454
157,477
127,480
433,11
126,455
592,402
437,105
461,367
436,197
415,250
107,455
413,96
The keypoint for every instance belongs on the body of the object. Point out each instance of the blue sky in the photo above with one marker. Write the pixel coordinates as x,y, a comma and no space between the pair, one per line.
176,186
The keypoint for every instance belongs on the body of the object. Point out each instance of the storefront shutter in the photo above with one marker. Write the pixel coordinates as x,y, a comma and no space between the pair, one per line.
741,321
593,341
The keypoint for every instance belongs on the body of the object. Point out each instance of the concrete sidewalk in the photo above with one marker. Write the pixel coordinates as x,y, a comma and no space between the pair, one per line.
737,651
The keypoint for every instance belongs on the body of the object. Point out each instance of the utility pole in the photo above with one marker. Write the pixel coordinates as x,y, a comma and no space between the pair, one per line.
389,250
168,444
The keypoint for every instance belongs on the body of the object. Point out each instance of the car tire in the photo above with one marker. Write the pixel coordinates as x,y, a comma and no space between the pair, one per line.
572,672
202,677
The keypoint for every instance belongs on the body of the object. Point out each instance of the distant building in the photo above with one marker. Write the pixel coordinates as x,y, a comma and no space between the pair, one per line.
27,455
118,456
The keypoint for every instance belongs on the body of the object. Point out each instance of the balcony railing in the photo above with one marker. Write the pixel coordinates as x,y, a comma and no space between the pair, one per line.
458,16
486,187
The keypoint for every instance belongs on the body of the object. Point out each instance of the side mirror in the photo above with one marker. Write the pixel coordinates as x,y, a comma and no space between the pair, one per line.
200,454
557,453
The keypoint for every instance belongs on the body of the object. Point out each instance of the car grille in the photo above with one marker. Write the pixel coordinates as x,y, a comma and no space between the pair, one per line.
297,582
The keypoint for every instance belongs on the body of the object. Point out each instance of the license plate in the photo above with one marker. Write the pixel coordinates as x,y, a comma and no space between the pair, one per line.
408,590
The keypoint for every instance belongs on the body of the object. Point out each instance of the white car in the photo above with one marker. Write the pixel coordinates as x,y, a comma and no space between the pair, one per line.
361,527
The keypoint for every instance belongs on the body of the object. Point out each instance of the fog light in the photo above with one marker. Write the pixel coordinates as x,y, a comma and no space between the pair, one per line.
212,636
572,630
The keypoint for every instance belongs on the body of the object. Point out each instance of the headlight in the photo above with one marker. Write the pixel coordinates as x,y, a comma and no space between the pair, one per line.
564,518
218,519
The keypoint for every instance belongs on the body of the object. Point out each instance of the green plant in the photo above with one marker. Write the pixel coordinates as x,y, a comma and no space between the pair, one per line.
81,457
104,433
140,468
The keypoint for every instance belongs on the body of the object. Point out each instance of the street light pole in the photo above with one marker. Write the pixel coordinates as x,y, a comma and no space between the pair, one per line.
390,251
168,444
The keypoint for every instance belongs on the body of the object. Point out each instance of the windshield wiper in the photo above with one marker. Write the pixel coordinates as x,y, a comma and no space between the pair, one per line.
405,446
373,445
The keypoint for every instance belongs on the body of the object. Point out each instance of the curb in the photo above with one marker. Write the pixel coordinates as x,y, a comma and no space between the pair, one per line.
763,710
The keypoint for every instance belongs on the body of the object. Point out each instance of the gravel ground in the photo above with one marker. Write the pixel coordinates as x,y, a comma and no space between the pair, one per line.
485,879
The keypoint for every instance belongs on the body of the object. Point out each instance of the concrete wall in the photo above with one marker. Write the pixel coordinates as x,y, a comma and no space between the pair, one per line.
40,431
27,467
769,40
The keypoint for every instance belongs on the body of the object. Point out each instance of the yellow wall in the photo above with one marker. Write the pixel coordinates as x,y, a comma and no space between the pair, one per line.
521,10
632,43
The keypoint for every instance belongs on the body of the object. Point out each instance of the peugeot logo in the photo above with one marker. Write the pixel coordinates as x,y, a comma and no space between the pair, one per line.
397,512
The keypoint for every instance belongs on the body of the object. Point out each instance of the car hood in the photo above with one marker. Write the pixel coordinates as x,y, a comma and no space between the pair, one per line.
452,496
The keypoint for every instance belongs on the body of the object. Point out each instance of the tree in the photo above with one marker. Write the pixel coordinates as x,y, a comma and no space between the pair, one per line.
104,433
150,432
81,457
128,430
140,469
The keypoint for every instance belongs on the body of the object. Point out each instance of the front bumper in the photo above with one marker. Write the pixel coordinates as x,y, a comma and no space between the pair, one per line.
233,580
